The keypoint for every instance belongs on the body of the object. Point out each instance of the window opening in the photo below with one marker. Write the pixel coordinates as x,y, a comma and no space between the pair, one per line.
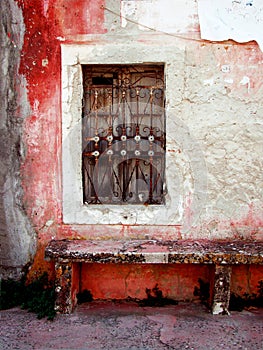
123,134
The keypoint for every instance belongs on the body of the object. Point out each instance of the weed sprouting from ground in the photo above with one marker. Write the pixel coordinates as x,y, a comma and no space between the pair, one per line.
38,296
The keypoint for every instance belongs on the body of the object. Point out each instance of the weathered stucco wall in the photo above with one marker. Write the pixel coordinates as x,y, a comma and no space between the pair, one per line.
214,114
214,94
16,233
222,106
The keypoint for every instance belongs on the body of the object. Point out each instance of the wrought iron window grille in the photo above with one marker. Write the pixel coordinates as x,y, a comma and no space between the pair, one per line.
123,134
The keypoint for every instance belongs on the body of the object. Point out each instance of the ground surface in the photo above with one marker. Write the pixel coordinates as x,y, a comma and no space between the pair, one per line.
119,325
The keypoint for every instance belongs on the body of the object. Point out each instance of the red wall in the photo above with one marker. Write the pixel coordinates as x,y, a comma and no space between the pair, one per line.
46,25
123,281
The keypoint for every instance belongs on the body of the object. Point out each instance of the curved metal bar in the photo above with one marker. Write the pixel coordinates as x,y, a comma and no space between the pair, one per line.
118,118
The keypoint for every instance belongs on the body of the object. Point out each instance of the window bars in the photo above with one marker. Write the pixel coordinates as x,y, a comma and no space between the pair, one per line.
123,134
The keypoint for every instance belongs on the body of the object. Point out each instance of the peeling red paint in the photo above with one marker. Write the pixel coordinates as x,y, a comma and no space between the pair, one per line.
40,65
251,223
188,211
241,61
254,217
77,17
45,23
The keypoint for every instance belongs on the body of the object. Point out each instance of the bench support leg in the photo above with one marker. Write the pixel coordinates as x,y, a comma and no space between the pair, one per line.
63,283
221,293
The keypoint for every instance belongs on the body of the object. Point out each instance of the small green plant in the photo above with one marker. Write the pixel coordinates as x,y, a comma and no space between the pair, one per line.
38,296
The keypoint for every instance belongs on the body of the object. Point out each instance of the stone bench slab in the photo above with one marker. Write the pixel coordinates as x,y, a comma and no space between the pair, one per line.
222,254
152,251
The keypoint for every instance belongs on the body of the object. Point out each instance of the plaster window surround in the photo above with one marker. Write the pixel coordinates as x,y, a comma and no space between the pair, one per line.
179,183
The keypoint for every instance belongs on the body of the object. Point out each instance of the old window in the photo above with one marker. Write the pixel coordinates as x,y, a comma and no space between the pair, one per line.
123,134
115,162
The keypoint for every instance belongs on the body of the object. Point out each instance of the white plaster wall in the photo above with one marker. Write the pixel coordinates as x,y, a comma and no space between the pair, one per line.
162,15
225,116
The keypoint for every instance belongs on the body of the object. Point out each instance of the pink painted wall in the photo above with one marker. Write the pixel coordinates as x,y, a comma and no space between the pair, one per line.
48,24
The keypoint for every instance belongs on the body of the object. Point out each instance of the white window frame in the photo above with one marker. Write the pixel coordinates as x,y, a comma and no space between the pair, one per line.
178,182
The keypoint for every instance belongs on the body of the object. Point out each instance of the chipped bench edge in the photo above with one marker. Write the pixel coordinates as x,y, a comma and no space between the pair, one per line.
214,252
157,258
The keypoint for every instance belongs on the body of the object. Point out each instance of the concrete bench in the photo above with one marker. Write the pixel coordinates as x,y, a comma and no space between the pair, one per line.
68,254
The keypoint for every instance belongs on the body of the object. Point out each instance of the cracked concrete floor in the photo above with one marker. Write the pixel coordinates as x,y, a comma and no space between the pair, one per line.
124,325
